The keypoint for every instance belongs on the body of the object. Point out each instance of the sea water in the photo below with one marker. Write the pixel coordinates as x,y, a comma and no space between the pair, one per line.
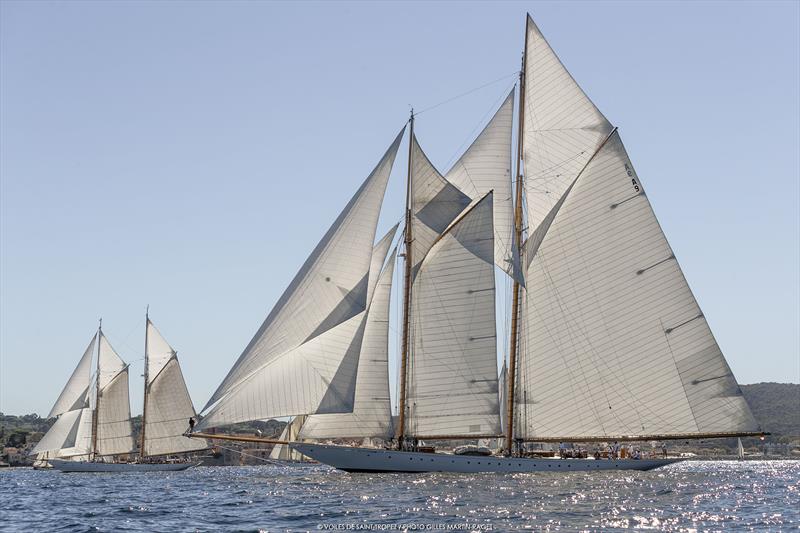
689,496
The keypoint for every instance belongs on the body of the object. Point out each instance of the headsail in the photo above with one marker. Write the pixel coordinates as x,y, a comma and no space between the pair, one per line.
67,436
282,452
453,377
486,166
303,358
615,341
168,406
76,392
435,203
113,406
371,416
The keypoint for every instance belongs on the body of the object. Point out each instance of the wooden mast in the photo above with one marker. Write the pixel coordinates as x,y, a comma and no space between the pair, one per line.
512,357
401,432
97,392
146,381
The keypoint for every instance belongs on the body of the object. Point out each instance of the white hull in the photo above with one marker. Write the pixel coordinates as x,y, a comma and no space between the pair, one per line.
87,466
352,459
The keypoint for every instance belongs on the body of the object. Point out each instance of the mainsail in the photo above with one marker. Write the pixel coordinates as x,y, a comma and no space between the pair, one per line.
453,364
614,343
113,414
304,357
167,407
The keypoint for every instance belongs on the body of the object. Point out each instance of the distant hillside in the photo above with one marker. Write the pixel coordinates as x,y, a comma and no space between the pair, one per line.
776,406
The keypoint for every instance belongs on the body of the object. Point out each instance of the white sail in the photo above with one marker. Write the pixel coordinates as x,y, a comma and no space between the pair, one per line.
486,166
159,352
615,343
435,203
327,293
291,433
61,434
113,406
316,377
81,445
371,416
453,364
739,448
168,406
503,392
562,127
76,391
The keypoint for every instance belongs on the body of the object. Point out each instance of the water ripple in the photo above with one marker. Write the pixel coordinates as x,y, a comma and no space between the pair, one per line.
693,495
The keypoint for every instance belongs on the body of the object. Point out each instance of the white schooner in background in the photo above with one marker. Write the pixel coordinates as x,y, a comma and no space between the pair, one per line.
607,342
93,430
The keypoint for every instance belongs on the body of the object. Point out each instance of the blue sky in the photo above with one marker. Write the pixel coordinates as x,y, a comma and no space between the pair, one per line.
190,155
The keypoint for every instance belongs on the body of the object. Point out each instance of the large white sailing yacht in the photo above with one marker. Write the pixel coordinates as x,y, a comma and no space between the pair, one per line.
607,342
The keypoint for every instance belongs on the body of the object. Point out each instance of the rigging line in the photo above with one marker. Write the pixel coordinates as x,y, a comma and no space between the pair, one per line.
516,73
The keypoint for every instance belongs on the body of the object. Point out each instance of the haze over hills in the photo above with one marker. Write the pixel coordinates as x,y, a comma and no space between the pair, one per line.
776,406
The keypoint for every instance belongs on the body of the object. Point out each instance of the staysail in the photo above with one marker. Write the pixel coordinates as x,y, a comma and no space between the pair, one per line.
371,416
76,392
304,357
168,406
113,404
453,387
615,342
282,452
67,436
486,166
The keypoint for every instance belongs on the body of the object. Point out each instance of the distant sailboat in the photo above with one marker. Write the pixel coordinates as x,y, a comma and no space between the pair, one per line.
282,452
739,449
607,342
93,430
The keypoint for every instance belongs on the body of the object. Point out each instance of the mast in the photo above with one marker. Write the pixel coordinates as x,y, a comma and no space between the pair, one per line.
407,294
146,380
97,391
512,357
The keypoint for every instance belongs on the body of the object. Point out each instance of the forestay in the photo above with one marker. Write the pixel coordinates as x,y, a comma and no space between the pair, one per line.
76,392
562,127
453,377
615,342
303,359
168,406
371,416
486,166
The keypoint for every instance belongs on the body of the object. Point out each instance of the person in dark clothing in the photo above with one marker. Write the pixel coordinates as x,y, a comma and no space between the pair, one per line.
191,423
